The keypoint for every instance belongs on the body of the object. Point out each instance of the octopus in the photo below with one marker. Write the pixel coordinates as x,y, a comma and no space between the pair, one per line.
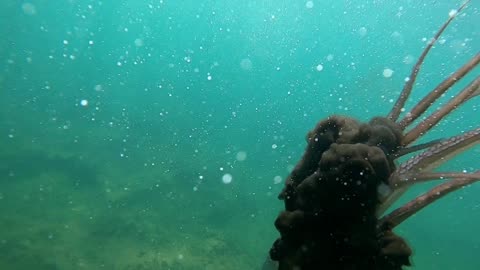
337,196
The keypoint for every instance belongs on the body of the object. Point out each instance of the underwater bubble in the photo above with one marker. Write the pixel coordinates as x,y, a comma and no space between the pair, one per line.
29,9
319,67
241,156
458,45
84,102
384,190
98,87
246,64
277,179
138,42
452,13
290,168
387,73
408,59
397,36
227,178
309,4
362,31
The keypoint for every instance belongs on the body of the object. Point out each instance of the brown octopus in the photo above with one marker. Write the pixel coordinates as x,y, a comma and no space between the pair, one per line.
336,196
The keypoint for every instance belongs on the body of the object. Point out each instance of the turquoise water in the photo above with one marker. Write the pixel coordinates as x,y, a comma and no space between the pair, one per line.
154,134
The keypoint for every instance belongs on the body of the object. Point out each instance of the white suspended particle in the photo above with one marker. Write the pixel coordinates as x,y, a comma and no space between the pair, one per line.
274,146
387,73
209,77
330,57
84,102
319,67
98,87
227,178
309,4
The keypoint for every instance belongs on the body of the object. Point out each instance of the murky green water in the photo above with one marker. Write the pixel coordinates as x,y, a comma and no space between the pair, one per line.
156,134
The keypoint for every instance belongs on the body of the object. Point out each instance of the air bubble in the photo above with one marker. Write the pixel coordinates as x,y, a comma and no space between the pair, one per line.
227,178
387,73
